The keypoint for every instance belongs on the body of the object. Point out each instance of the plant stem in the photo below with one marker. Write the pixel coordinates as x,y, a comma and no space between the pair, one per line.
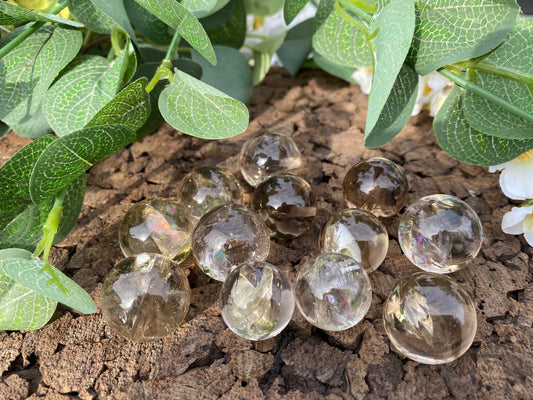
28,32
173,45
164,71
466,84
348,18
355,7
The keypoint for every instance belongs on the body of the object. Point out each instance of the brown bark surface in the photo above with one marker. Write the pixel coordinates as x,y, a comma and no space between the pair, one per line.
78,356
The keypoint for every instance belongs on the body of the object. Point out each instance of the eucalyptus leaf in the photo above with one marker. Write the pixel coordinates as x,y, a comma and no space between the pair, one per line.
11,14
263,52
148,24
340,71
91,16
4,129
27,270
448,31
199,8
28,70
116,11
175,15
232,75
297,46
228,25
71,155
292,8
457,138
263,8
395,25
200,110
32,126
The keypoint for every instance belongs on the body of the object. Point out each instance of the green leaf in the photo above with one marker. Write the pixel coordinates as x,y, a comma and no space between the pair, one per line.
338,41
69,156
29,69
297,46
4,129
232,75
175,15
199,8
448,31
340,71
263,8
491,119
397,109
22,308
26,270
131,107
116,11
88,85
91,16
459,140
394,24
291,8
33,126
15,177
11,14
263,53
227,26
200,110
148,24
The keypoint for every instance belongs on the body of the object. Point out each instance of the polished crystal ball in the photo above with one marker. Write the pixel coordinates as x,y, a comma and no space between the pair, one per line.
286,203
267,153
160,226
227,236
205,188
377,185
257,300
440,233
430,318
145,297
358,234
333,291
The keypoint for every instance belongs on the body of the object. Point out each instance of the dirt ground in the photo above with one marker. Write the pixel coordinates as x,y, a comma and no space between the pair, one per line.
77,356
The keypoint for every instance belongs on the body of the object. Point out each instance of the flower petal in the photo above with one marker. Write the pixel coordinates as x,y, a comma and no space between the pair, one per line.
516,181
529,237
512,221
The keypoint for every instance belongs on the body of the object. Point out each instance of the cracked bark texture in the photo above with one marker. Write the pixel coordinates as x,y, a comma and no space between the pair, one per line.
77,356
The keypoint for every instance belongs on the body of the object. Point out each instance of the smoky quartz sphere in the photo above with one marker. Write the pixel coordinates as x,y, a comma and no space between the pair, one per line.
205,188
286,203
430,318
333,291
377,185
227,236
145,297
440,233
257,300
268,153
160,226
358,234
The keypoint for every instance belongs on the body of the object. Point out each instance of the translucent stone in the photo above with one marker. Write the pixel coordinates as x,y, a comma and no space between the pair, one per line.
267,153
160,226
286,203
430,318
227,236
377,185
358,234
205,188
333,291
145,297
257,300
440,233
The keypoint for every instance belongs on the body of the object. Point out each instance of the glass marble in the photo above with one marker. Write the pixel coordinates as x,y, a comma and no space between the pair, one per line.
333,291
268,153
257,300
160,226
286,203
227,236
205,188
377,185
430,318
145,297
440,233
358,234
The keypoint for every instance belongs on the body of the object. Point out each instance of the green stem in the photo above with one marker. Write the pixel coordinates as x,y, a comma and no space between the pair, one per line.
466,84
164,71
494,69
351,20
358,8
28,32
173,44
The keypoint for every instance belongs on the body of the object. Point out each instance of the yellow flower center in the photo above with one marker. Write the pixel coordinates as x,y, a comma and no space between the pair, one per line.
427,89
529,220
527,157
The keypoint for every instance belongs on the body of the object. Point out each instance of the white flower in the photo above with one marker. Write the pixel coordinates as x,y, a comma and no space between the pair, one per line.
519,220
516,179
363,77
432,90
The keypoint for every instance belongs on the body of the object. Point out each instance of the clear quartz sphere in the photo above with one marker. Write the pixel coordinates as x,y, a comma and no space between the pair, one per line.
205,188
377,185
160,226
358,234
430,318
145,297
286,203
268,153
440,233
257,300
333,291
227,236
